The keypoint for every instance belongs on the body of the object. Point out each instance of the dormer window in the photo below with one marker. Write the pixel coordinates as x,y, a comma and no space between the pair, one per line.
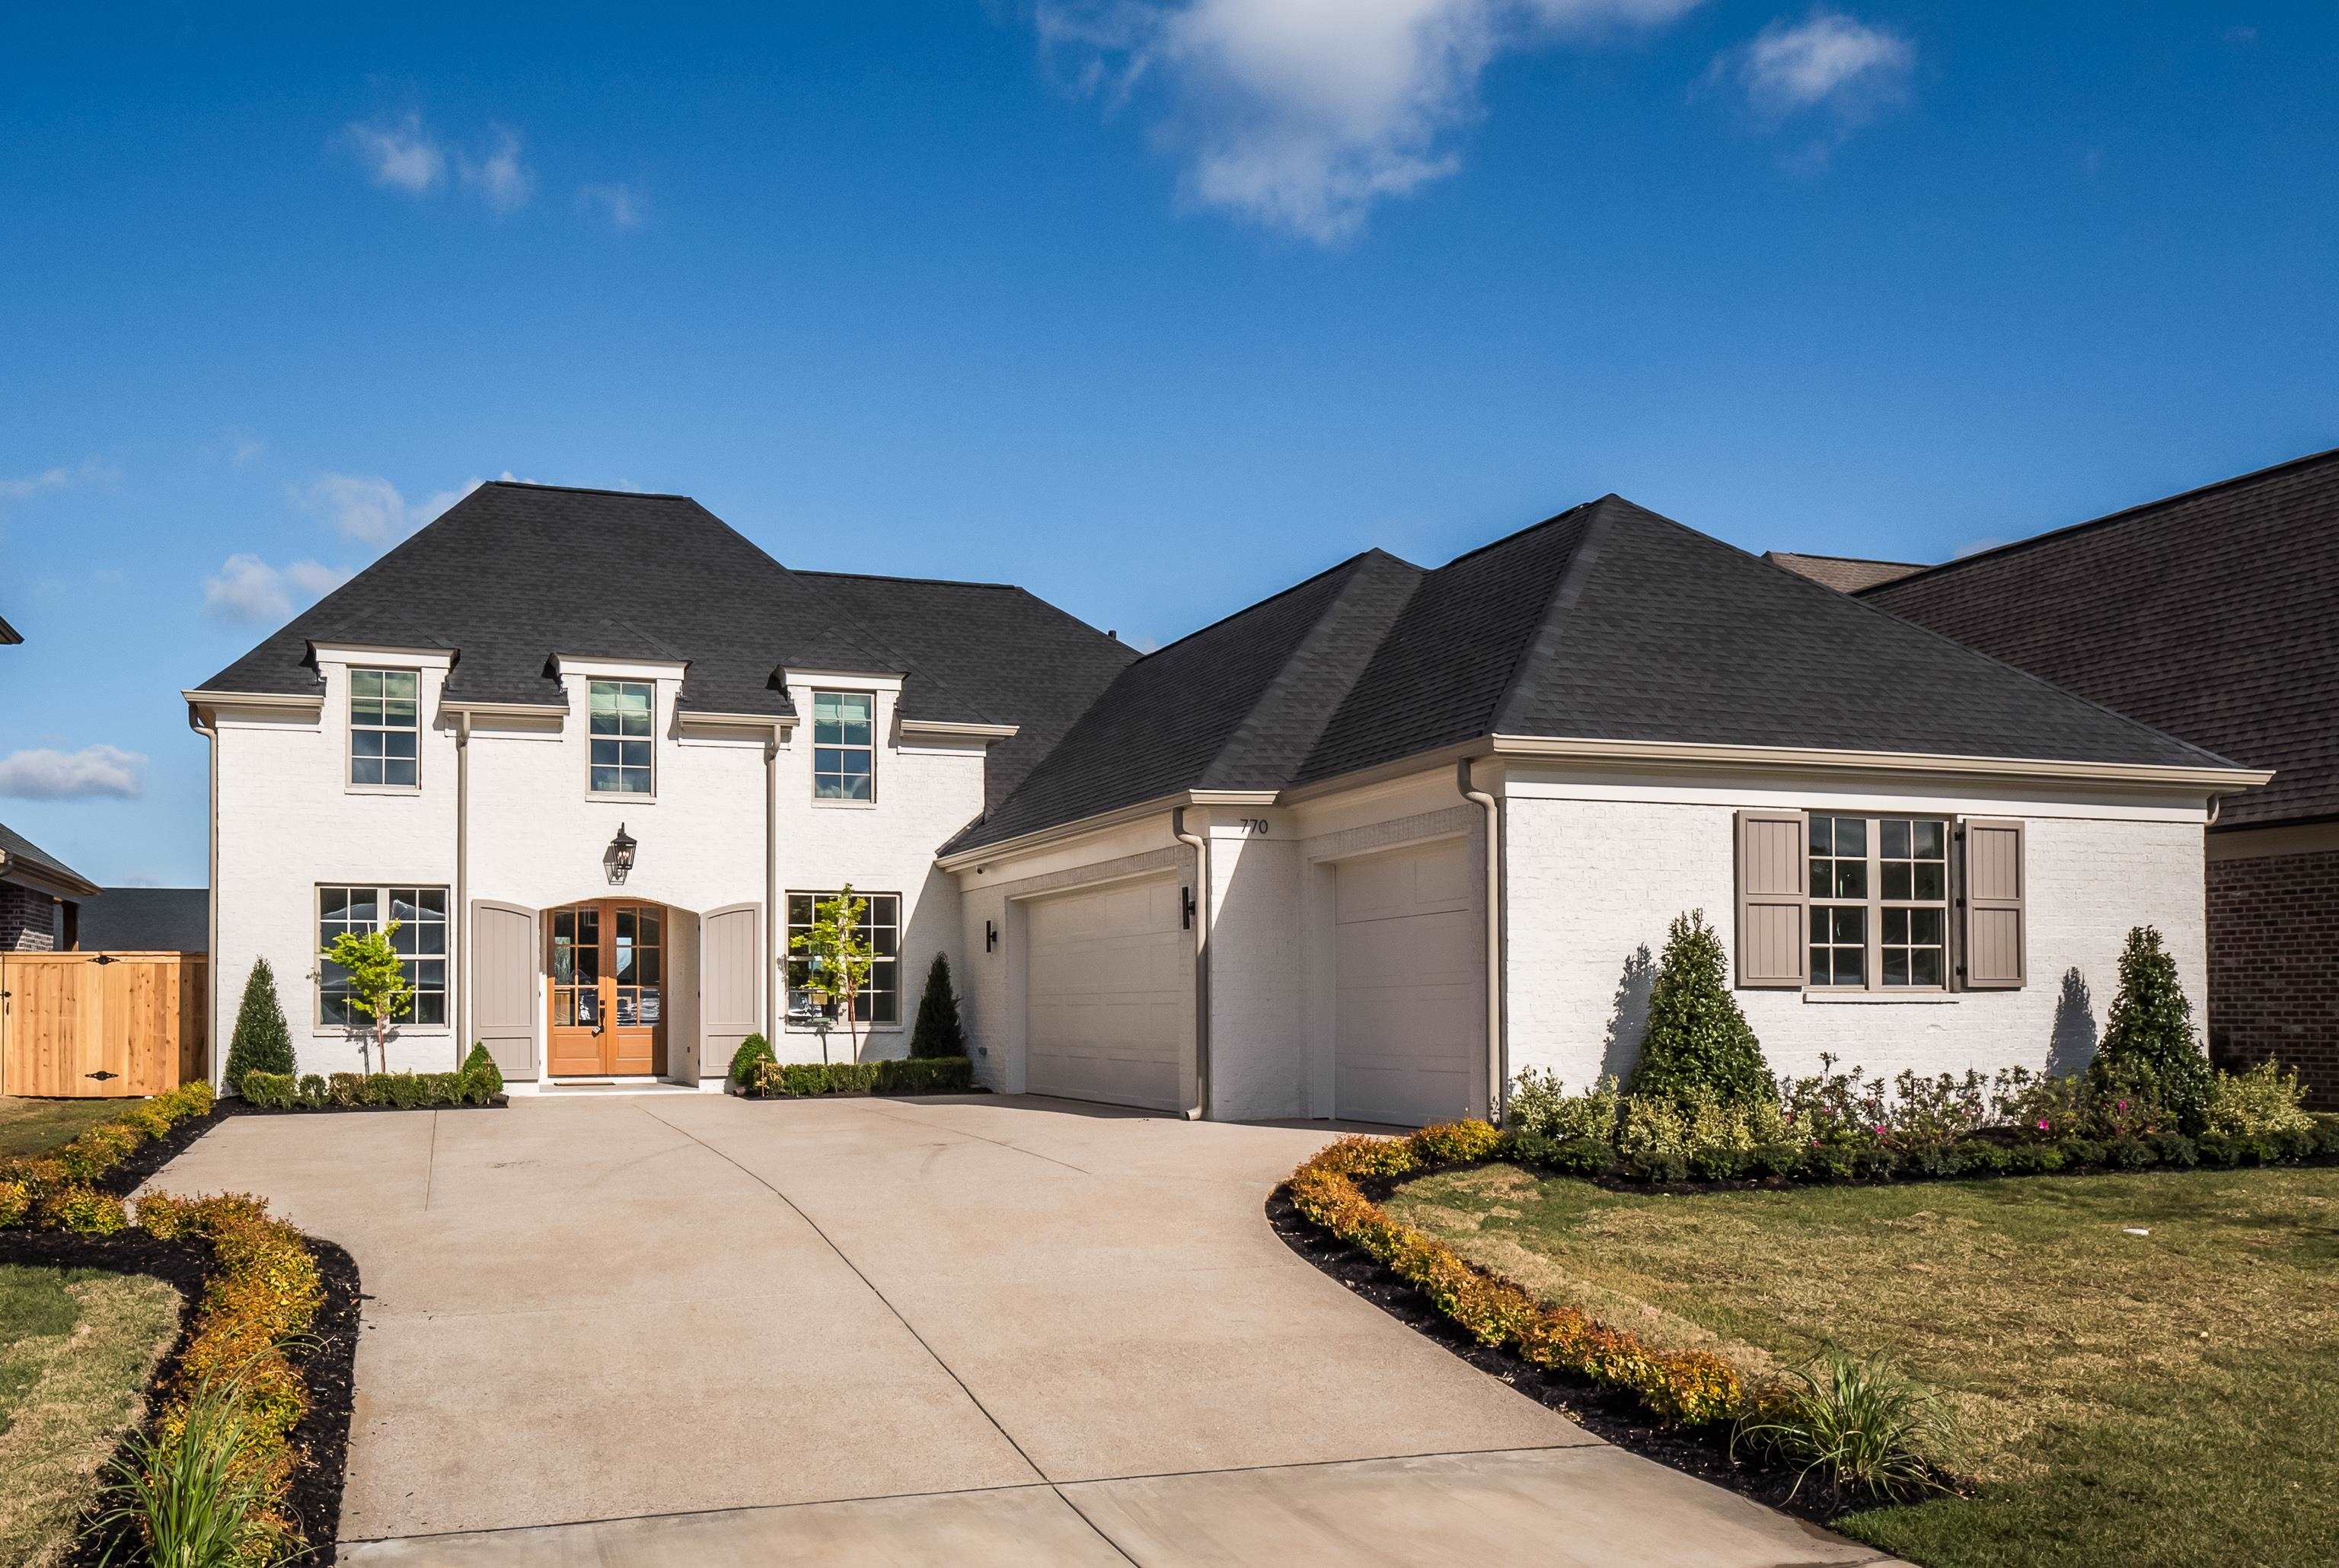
621,737
385,727
844,745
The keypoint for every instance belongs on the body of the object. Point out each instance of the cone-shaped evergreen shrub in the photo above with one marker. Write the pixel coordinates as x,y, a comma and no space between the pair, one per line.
2149,1042
938,1032
1696,1039
262,1043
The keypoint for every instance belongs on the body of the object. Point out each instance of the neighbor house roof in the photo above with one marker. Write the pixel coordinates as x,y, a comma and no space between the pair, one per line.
514,574
2209,614
1844,574
148,919
19,854
9,634
1607,622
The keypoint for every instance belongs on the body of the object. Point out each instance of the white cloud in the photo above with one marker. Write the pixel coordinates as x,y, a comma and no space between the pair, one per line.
620,204
401,156
1300,114
499,177
248,591
245,451
370,509
23,488
1828,62
92,771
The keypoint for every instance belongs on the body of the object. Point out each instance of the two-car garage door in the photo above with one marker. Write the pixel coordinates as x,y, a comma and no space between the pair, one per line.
1110,994
1409,1045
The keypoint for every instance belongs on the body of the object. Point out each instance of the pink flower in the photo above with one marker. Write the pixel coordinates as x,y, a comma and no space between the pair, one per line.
2042,1125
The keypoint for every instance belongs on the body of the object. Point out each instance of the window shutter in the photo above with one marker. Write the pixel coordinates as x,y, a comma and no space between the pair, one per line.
1774,903
1996,927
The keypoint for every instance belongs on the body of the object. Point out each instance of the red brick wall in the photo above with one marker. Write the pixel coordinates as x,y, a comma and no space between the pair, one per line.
2274,965
27,920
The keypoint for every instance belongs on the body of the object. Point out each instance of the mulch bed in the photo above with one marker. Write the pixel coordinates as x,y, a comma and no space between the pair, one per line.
325,1359
1610,1413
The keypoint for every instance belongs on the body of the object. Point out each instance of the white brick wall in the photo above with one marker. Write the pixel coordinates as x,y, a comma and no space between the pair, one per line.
1593,880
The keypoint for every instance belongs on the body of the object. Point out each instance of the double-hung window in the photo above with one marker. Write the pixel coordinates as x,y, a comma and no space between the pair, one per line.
419,941
1879,902
844,745
880,999
620,724
385,723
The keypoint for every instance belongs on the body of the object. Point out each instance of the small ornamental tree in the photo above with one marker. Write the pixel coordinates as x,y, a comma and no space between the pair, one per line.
262,1043
1695,1038
938,1032
837,956
378,983
2148,1043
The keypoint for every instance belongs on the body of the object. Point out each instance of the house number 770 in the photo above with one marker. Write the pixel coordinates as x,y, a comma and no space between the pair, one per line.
1252,826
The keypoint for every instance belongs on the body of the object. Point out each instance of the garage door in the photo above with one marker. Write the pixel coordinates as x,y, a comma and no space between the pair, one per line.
1110,994
1411,1042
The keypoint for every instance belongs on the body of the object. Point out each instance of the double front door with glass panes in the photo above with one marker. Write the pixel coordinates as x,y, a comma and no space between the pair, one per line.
607,970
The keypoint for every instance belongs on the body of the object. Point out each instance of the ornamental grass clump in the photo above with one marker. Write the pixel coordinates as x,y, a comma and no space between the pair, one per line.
191,1494
1862,1429
1695,1038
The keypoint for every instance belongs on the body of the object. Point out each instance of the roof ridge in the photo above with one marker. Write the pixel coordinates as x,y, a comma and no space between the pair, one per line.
1280,594
1559,516
1856,560
2123,514
1564,593
594,490
906,577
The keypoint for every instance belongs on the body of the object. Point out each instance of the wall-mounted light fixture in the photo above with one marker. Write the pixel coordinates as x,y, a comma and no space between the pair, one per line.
619,857
990,937
1186,920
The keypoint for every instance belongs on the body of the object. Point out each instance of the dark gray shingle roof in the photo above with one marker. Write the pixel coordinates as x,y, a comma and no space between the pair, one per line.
19,849
1607,622
2210,614
148,919
1844,574
513,574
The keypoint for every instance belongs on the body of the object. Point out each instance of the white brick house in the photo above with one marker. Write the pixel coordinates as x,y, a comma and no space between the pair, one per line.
1246,876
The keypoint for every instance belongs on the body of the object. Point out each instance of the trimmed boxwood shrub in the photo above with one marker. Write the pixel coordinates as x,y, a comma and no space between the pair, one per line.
261,1043
914,1075
270,1090
1695,1038
482,1079
755,1053
2148,1043
938,1032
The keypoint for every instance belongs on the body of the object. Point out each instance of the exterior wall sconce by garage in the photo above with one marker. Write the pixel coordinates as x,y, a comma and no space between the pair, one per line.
1186,920
619,857
990,937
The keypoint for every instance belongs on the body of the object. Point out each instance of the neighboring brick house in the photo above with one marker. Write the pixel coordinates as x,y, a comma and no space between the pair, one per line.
2214,615
40,896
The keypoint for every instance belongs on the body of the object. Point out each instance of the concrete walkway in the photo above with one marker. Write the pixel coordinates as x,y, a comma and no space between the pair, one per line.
691,1329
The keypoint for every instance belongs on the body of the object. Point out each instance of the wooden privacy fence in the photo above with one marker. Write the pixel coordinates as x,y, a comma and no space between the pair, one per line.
110,1025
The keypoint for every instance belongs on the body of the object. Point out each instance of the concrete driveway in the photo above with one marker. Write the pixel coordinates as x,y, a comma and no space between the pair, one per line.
691,1329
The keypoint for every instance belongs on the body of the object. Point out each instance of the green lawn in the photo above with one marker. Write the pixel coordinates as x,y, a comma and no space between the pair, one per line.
37,1125
2168,1398
76,1348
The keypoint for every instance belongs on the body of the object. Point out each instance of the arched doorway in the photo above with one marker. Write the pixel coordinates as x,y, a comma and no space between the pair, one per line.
606,965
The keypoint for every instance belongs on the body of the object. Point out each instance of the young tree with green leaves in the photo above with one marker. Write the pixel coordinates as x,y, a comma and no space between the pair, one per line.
938,1032
838,956
1695,1036
262,1043
377,984
2149,1042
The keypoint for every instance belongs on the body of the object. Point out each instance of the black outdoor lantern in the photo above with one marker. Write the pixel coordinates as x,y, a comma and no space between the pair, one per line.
620,858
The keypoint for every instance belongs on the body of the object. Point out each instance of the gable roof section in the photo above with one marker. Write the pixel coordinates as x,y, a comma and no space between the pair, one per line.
1606,622
2209,614
1844,574
514,574
18,853
148,919
9,634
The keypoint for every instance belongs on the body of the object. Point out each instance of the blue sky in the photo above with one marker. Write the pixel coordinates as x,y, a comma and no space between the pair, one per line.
1151,307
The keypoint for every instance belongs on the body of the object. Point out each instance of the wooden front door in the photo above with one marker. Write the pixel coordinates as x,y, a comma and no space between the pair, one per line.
608,964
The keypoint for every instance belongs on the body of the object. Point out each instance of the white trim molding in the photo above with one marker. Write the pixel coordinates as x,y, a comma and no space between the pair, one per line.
1668,754
379,655
576,666
950,729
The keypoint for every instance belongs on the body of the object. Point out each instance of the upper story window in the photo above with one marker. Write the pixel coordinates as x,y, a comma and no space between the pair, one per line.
1878,902
385,727
844,745
621,737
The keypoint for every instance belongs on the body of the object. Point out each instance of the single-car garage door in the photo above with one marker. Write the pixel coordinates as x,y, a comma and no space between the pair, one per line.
1109,994
1410,1046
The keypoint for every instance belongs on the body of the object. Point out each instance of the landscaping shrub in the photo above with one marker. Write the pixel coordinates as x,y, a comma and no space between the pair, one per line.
938,1032
927,1075
2262,1102
483,1080
930,1075
261,1043
268,1091
1862,1428
1695,1036
344,1090
1540,1104
312,1091
2148,1045
16,1202
754,1054
84,1211
191,1494
98,1149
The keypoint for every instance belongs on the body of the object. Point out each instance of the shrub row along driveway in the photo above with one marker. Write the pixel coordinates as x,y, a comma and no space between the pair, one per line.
683,1328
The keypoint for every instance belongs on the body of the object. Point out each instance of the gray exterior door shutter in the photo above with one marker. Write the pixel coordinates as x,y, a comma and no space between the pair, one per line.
1774,903
1994,939
503,985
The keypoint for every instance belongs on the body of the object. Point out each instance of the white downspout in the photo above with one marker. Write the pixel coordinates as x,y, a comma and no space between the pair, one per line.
462,909
1497,1078
217,1062
1200,1109
772,953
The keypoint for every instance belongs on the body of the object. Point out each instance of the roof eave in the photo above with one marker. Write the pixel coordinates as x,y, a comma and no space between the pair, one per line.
1098,822
2213,779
